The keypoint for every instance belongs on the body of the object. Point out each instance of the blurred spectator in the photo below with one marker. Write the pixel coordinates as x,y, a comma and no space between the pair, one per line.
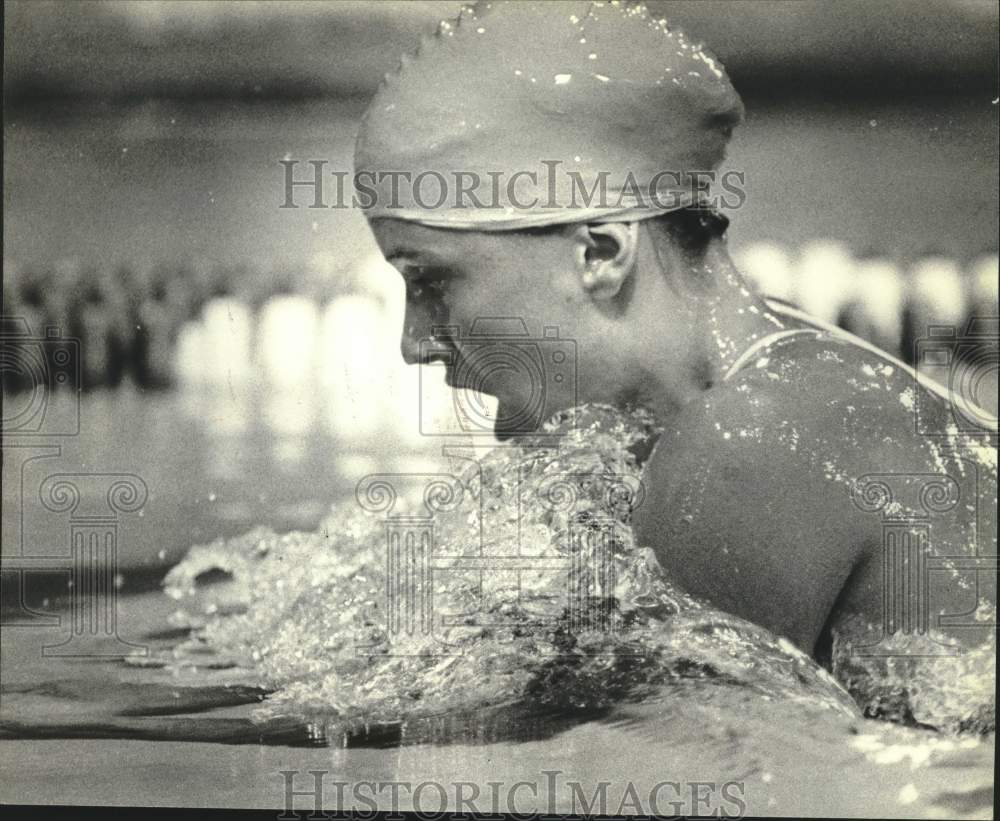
129,319
876,311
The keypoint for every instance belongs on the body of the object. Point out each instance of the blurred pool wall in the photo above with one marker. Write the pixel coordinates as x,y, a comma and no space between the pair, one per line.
143,188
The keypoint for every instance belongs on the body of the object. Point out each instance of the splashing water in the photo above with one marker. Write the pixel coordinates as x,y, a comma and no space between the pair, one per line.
920,680
540,597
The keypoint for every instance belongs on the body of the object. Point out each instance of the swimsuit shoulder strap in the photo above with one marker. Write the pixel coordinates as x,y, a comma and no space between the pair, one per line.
821,328
763,344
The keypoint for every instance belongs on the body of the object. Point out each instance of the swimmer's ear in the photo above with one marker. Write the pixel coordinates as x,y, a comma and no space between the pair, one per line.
605,255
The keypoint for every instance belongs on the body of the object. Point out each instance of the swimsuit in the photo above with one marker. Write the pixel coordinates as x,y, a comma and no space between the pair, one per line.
822,329
763,344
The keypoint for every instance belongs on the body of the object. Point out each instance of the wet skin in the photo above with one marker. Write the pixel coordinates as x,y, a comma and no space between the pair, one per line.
749,499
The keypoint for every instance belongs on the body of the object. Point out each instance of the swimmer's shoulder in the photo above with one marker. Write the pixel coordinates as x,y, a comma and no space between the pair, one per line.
881,404
749,490
797,415
806,389
743,508
864,405
777,425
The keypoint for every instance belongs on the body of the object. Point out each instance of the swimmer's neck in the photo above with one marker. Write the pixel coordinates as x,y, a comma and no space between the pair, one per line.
718,316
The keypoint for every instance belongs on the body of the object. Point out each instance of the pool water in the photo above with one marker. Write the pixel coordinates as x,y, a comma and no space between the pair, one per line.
99,732
193,718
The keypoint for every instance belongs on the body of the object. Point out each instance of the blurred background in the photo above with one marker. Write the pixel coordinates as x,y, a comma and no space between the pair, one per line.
243,358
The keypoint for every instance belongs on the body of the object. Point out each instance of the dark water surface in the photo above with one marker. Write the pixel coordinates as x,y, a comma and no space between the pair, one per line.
96,731
213,464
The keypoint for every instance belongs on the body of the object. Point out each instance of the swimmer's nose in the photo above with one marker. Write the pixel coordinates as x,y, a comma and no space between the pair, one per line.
424,351
418,344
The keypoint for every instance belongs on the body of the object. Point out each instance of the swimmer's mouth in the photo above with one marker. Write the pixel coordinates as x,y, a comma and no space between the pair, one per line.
458,384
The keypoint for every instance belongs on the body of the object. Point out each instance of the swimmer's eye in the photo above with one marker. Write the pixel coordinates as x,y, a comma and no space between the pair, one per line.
425,284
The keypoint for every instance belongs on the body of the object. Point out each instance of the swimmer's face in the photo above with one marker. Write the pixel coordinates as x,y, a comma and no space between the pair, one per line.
466,280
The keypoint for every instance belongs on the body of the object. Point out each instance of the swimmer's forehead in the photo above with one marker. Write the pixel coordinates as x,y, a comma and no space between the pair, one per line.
404,242
424,256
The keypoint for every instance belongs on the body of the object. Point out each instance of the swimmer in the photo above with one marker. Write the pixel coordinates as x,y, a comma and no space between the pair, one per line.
779,432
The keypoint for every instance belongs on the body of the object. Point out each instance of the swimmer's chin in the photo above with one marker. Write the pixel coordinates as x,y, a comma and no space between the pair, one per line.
503,434
508,429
